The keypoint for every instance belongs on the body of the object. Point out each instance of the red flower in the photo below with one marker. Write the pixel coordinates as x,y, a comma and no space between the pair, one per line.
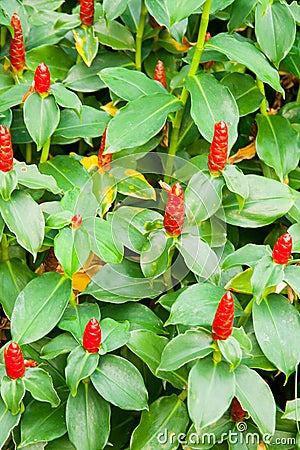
42,78
92,336
223,320
6,150
14,361
174,214
17,48
218,153
237,413
104,161
76,222
282,249
87,9
30,363
160,74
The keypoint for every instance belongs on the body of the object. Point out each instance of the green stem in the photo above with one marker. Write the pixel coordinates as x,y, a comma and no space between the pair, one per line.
298,94
72,300
247,313
184,93
28,153
139,37
3,34
45,151
168,272
4,248
263,106
183,395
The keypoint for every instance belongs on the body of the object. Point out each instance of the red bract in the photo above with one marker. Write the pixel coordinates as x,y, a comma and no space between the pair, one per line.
282,249
14,361
237,413
104,161
42,79
76,222
218,153
174,213
160,74
30,363
92,336
87,10
223,320
17,48
6,151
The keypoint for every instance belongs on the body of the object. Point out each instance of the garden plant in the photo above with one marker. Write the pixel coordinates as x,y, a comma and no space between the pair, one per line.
149,224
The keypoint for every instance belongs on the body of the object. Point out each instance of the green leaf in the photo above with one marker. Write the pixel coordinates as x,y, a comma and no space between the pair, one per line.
240,10
218,430
41,422
8,422
166,413
114,335
120,383
75,318
72,249
215,102
277,144
248,255
170,12
236,182
133,183
243,52
80,365
86,43
210,391
61,344
30,177
39,383
191,345
51,55
115,9
292,277
13,96
24,218
147,115
14,276
103,242
241,282
270,30
67,171
12,392
276,324
155,254
90,124
267,201
66,98
129,84
231,350
8,183
257,359
266,276
41,117
292,410
114,34
250,390
39,307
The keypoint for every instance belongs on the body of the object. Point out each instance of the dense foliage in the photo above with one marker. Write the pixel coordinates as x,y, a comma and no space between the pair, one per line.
149,224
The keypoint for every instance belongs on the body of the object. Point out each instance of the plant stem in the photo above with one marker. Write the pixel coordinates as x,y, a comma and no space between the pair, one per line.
45,151
139,37
3,34
298,94
184,93
28,153
4,248
183,395
263,106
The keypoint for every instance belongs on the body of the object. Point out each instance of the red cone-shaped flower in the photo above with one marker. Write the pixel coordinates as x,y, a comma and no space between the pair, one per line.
174,213
6,151
223,320
160,74
104,161
92,336
237,413
42,78
282,249
87,9
14,361
218,153
17,48
76,222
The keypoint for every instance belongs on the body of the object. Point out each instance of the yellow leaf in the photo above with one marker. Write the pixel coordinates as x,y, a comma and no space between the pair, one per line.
110,108
90,162
247,152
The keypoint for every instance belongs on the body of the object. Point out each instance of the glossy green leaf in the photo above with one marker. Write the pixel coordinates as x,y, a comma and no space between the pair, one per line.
66,98
170,12
256,359
270,30
243,52
276,325
265,277
147,115
39,383
119,382
236,182
268,200
8,183
247,255
250,390
155,254
80,365
41,117
241,282
29,176
203,440
210,391
51,55
277,144
67,171
215,102
12,392
129,84
191,345
86,43
133,183
114,335
292,410
13,96
75,318
245,91
72,249
6,78
115,9
231,350
114,34
42,303
61,344
8,422
88,417
28,227
292,277
240,9
166,413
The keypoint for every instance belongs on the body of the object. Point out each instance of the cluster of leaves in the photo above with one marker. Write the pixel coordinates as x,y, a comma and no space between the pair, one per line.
85,236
